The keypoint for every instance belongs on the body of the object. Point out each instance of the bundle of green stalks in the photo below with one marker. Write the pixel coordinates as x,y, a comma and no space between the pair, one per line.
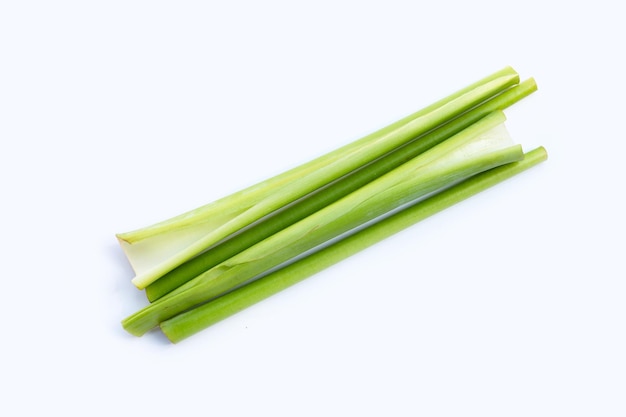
209,263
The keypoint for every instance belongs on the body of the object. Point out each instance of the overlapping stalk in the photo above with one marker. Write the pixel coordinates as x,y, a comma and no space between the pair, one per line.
203,265
321,198
471,151
191,322
180,239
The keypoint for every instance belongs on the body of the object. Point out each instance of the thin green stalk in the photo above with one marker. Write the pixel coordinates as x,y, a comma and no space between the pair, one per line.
326,195
471,151
242,209
186,324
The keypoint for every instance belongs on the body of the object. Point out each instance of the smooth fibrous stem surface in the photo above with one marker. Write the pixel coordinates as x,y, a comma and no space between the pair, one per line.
197,319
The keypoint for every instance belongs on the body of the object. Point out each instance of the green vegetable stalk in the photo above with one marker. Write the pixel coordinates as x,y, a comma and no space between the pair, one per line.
155,250
211,262
482,146
319,199
186,324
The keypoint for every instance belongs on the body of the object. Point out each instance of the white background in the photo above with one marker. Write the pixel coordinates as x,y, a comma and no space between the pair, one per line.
117,114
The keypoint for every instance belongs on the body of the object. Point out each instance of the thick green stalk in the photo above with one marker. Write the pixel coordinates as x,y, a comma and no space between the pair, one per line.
186,324
242,209
473,150
326,195
490,85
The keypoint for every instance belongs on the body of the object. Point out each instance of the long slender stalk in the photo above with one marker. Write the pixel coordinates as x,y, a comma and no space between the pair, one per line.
186,324
476,149
323,197
218,220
